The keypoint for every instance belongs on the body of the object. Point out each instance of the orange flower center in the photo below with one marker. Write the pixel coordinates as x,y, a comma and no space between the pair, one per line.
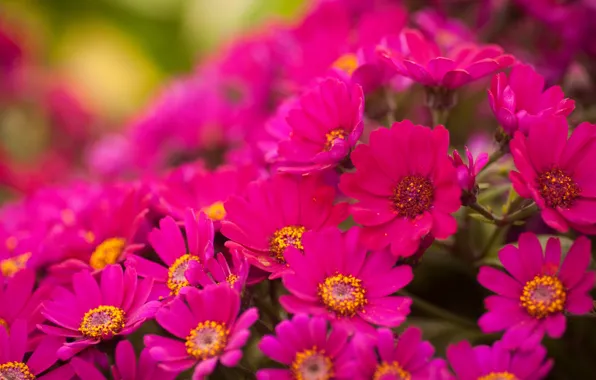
557,188
343,294
412,196
499,376
102,322
15,371
215,211
392,370
177,273
285,237
107,253
333,137
348,63
207,340
543,295
312,364
9,267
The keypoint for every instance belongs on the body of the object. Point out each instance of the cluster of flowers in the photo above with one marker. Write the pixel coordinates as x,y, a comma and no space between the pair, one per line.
289,259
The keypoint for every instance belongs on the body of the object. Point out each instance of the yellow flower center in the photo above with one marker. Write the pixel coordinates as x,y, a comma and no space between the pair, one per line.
106,253
312,364
557,188
343,294
499,376
103,322
543,295
15,371
333,137
348,63
9,267
231,279
285,237
176,273
393,369
215,211
207,340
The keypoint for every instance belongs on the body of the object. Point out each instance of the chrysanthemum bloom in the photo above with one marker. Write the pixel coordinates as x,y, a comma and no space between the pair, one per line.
406,185
97,312
169,244
385,358
557,172
217,271
274,215
467,172
512,99
308,350
496,362
207,330
539,291
325,127
336,279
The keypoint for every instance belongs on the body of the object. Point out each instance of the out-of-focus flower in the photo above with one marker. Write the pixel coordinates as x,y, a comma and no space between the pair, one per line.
217,271
532,300
127,367
447,32
467,172
11,59
304,345
406,186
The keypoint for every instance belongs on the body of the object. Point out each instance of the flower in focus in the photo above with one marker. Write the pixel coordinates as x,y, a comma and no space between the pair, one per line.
348,287
97,312
304,345
274,215
538,291
217,271
406,186
207,330
495,362
557,173
466,173
511,99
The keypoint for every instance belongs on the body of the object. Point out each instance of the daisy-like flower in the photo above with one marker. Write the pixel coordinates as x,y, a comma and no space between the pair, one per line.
171,247
497,363
556,172
97,312
467,172
384,357
217,271
274,215
406,185
325,127
512,99
336,279
308,350
207,328
539,289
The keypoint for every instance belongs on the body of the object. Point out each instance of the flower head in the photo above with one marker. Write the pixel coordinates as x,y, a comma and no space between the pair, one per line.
533,299
217,271
406,186
466,173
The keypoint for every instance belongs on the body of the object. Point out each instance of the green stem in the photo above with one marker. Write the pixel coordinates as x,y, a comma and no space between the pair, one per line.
443,314
497,233
507,219
439,115
483,211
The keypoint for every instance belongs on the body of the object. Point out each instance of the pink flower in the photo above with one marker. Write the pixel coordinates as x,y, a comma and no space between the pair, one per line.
207,330
217,271
325,127
538,291
425,62
127,367
496,362
557,172
406,186
336,279
466,173
512,99
308,350
275,213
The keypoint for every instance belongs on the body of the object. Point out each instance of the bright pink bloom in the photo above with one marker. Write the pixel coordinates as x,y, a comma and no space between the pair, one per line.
274,215
496,362
217,271
557,172
512,99
406,186
207,330
466,173
336,279
127,367
304,345
538,291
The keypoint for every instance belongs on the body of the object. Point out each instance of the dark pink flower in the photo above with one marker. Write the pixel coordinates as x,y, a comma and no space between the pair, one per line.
406,186
557,172
533,299
127,367
467,172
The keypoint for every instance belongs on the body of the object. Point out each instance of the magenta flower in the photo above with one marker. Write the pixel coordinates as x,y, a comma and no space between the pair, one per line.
557,172
496,362
325,127
384,357
274,215
538,291
171,247
207,330
97,312
406,186
308,350
336,279
466,173
512,99
217,270
127,367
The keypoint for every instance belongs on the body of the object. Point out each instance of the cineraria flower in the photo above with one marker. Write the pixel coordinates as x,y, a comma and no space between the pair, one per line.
496,362
217,270
406,185
557,172
325,127
304,345
512,99
336,279
466,173
408,357
97,312
207,330
169,244
533,298
274,215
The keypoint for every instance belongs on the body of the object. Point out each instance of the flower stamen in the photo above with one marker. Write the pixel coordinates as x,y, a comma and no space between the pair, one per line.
177,273
557,188
15,371
102,322
333,137
207,340
499,376
215,211
9,267
543,295
393,369
107,252
412,196
343,294
312,364
283,238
